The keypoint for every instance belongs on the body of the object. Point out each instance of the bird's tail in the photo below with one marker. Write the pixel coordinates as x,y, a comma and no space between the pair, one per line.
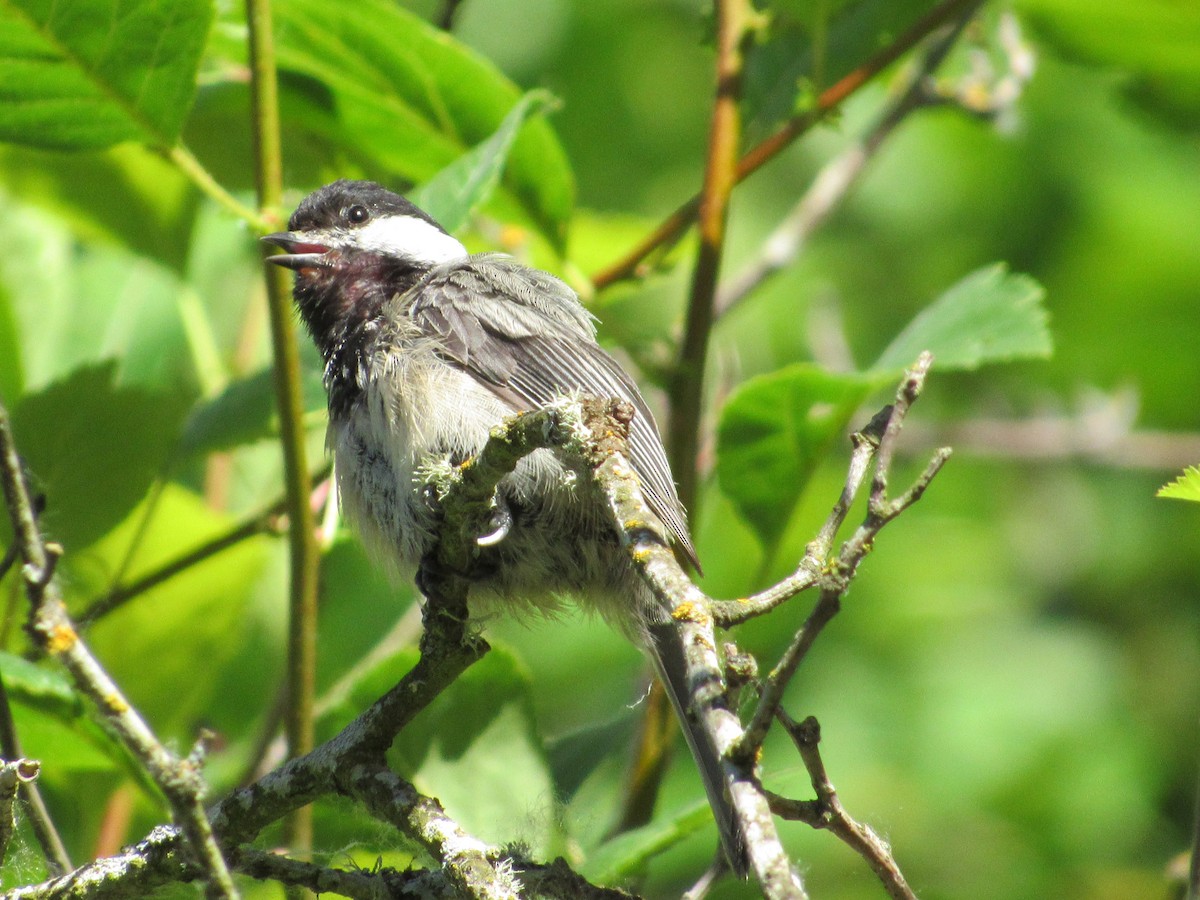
667,655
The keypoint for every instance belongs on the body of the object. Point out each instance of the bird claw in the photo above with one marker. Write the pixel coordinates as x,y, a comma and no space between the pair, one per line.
500,522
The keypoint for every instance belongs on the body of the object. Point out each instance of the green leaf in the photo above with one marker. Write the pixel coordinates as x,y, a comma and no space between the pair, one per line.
93,448
88,74
45,688
454,192
383,84
127,194
773,433
989,316
1185,487
808,46
475,748
1154,42
168,647
628,853
244,412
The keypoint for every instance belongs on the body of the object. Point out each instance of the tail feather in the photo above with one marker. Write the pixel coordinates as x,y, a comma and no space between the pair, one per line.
668,660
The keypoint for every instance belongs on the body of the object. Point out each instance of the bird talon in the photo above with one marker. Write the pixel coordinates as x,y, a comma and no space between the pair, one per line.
501,523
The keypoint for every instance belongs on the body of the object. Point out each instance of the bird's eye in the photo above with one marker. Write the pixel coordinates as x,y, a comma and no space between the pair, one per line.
356,215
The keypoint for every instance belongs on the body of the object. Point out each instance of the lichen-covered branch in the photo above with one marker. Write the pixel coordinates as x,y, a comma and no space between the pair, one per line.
54,633
352,764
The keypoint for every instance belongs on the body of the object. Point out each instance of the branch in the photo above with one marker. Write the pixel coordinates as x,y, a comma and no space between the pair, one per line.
53,631
836,177
302,600
687,377
353,764
830,813
669,231
54,851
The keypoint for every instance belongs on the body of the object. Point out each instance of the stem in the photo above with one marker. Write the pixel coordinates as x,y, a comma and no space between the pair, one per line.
687,383
301,523
203,179
630,266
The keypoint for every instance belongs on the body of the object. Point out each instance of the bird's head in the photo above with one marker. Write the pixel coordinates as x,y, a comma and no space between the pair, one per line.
354,245
336,226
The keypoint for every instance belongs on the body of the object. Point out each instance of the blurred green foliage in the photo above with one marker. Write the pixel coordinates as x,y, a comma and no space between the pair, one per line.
1010,693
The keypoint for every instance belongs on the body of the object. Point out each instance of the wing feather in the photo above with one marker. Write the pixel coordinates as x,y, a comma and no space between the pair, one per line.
524,334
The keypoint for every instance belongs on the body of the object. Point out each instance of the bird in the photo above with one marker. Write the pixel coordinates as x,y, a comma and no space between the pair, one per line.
427,348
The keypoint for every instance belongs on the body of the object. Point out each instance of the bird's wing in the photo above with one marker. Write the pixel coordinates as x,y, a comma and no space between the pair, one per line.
525,335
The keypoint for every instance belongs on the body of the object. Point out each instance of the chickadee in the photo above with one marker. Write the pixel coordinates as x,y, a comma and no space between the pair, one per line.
426,349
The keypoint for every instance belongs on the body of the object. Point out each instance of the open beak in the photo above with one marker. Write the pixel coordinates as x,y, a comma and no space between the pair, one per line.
301,253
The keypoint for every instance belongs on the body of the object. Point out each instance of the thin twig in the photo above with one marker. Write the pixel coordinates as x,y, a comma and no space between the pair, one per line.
687,377
15,773
835,575
728,613
266,521
54,850
836,177
53,631
183,160
863,840
669,231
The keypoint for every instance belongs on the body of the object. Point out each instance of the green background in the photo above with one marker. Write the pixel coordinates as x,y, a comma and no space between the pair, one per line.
1010,694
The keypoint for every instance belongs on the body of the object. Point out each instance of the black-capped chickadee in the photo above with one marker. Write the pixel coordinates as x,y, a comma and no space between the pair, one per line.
426,349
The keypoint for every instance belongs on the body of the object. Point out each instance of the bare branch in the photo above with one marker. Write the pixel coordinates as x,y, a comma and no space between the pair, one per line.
14,773
54,632
807,735
58,860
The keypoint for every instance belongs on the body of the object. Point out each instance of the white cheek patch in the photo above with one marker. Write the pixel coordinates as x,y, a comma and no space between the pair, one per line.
413,238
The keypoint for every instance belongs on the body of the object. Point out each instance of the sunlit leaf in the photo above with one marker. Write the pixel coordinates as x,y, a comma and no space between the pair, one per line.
773,433
93,448
88,74
468,181
382,83
167,647
628,853
1185,487
127,194
807,46
1153,43
989,316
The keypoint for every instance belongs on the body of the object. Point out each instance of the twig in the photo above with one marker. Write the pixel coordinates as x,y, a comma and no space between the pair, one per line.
807,735
14,774
673,226
835,575
836,177
58,860
266,521
353,763
260,523
687,376
449,11
183,160
728,613
54,632
304,557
